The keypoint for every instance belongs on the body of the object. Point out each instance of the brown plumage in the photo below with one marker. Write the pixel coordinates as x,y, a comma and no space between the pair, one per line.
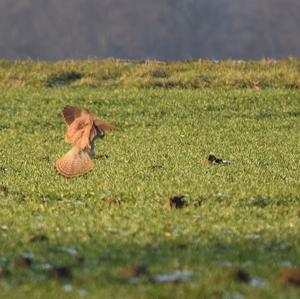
83,129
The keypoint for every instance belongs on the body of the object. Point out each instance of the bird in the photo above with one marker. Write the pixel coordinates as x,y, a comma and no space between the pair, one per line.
83,129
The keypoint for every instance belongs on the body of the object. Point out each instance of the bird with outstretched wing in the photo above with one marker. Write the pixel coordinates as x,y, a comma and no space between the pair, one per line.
83,129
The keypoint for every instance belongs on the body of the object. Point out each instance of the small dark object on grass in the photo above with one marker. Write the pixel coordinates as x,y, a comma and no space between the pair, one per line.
23,261
44,158
38,238
4,126
239,275
100,157
135,271
113,201
155,167
4,189
3,169
61,272
4,267
290,276
4,271
61,79
181,246
214,160
80,259
177,202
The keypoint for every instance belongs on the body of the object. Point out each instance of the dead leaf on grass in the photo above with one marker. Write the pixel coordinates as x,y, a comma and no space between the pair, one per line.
101,157
111,201
290,276
38,238
23,260
44,158
4,190
155,167
134,273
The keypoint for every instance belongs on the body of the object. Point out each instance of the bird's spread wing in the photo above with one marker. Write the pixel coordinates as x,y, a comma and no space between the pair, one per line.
104,126
71,113
83,127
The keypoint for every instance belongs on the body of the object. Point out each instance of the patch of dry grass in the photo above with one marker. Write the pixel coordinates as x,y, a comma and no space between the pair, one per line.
262,74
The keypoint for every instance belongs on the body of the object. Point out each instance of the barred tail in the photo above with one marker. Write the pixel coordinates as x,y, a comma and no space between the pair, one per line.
74,163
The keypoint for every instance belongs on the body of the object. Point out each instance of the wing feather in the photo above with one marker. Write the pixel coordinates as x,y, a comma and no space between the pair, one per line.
71,113
105,126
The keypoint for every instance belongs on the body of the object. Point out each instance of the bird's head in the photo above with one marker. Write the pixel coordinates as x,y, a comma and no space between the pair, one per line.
99,132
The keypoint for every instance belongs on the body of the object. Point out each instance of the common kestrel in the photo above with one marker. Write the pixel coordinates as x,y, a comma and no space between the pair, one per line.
83,129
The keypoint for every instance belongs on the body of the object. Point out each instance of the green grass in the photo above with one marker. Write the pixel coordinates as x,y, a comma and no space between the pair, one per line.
101,225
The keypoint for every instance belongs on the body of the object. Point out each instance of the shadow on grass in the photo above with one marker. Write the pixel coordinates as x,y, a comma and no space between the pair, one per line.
62,79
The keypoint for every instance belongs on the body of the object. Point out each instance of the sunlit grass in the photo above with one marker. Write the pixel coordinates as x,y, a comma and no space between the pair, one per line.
244,215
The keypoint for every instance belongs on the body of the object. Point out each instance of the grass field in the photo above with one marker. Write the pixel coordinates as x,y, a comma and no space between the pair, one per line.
112,232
